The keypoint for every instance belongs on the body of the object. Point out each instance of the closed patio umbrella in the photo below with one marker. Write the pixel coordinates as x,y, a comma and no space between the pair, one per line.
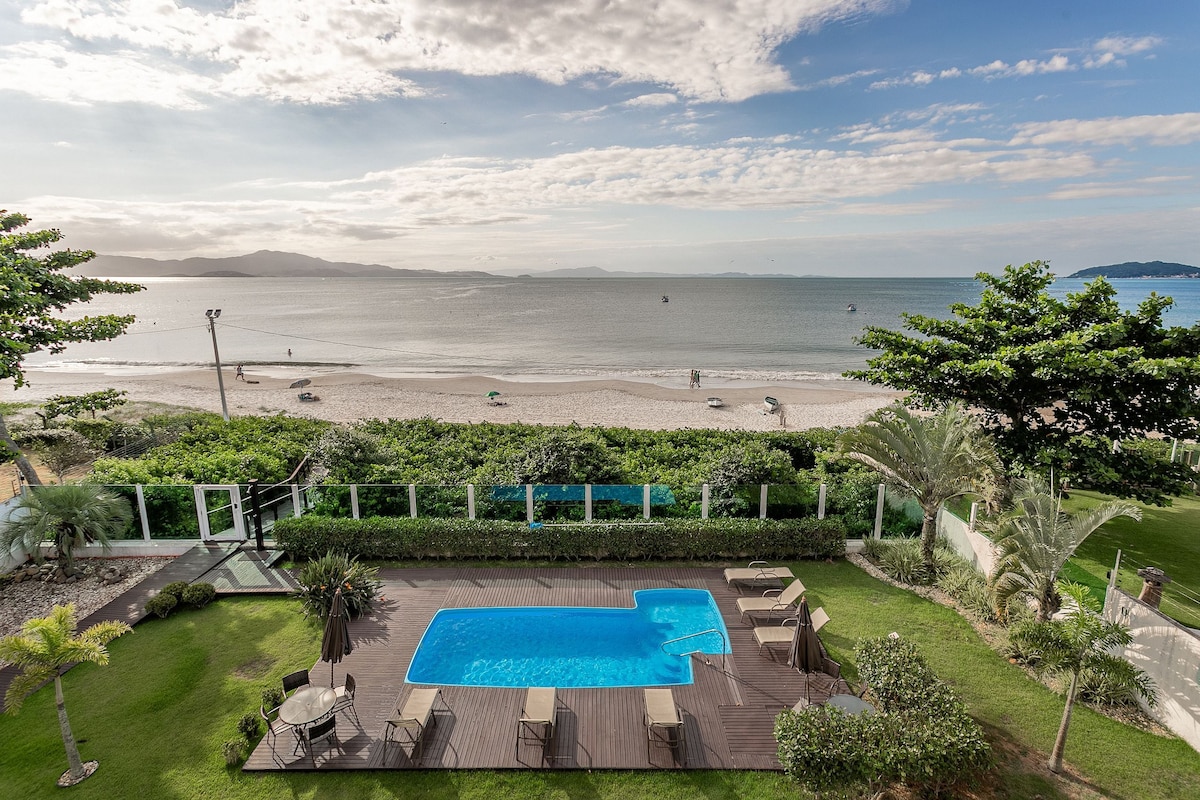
806,653
335,642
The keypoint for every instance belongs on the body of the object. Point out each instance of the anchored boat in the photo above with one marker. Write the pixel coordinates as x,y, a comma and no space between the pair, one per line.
771,404
715,402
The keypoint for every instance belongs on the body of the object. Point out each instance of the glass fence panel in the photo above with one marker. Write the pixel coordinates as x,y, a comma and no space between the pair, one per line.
382,500
134,529
442,501
902,514
500,503
734,501
791,501
171,512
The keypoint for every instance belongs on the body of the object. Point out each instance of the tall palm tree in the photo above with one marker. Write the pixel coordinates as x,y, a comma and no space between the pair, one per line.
44,649
1083,640
70,515
931,458
1036,538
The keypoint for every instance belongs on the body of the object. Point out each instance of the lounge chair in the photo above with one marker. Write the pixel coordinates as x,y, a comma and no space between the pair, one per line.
783,633
345,699
772,602
758,573
664,723
411,722
538,719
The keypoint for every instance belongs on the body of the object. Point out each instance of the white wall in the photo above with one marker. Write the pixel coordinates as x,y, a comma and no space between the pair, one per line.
1170,655
11,559
971,545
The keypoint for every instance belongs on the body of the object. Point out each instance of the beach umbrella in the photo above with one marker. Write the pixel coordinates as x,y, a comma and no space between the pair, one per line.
300,384
335,642
492,394
806,653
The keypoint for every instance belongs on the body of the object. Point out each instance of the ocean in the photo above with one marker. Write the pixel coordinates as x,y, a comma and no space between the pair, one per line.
778,330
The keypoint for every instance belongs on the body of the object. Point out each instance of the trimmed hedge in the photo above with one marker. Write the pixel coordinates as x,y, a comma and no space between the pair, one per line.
310,537
923,736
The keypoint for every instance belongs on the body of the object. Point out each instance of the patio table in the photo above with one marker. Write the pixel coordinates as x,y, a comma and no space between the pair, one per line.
850,704
307,705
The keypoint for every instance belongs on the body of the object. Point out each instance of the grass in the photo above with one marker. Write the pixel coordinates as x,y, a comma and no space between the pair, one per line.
1165,538
156,717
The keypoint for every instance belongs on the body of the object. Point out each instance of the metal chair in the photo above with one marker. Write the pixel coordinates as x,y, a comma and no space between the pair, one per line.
274,728
319,732
412,722
538,720
664,723
295,681
345,699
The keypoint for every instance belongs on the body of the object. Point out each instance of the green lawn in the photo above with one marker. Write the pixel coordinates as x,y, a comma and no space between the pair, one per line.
1167,537
157,716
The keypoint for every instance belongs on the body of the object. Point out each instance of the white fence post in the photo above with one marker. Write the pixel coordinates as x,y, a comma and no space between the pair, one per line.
296,510
529,502
974,515
412,500
470,501
1112,576
879,513
141,498
704,494
587,502
646,501
762,501
821,502
354,512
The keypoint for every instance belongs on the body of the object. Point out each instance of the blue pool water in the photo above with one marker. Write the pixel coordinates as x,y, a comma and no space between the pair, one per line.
570,647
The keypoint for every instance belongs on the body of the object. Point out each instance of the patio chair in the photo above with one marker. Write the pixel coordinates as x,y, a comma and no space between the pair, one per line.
783,633
773,601
758,573
538,720
410,724
295,681
274,728
345,699
318,732
664,723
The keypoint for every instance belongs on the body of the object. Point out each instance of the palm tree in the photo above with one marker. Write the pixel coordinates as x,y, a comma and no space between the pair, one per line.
69,515
932,458
1082,641
1036,538
44,649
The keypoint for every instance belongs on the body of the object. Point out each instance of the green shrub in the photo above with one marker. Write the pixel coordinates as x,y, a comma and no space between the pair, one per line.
272,697
198,595
902,561
1118,683
248,726
161,605
175,589
672,539
923,737
875,548
319,581
980,600
234,751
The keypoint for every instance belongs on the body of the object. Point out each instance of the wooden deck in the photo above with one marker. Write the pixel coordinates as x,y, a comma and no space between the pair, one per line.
728,712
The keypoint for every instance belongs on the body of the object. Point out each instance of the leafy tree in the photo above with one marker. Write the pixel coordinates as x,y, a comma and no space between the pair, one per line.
1057,382
45,648
33,291
1081,642
1036,538
930,458
61,449
73,405
70,515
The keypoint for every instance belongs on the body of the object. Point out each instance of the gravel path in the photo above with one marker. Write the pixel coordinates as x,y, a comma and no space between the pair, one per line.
23,601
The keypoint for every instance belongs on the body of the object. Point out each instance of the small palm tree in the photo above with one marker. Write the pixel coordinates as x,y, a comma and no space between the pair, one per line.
1082,641
69,515
1035,540
932,458
44,649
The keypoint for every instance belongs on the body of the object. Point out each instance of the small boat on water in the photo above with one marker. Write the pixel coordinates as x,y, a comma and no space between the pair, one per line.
666,299
715,402
770,404
852,307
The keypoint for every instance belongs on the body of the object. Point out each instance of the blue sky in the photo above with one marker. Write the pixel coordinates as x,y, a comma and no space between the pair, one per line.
834,137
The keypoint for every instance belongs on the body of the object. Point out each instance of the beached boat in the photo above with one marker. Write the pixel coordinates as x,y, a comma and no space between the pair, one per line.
666,299
716,402
770,404
852,307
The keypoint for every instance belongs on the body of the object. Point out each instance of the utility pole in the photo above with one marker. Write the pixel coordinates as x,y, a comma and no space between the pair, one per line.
212,315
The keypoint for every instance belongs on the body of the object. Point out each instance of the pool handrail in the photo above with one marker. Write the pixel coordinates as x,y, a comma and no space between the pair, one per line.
718,631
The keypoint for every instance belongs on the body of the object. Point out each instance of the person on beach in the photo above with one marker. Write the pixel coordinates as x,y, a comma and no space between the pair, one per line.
697,372
240,375
289,352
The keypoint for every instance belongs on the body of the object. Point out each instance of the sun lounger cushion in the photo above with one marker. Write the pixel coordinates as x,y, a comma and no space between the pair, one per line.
773,602
661,711
539,706
414,717
758,573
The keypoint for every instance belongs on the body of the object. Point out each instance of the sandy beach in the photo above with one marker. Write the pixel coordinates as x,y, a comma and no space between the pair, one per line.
350,396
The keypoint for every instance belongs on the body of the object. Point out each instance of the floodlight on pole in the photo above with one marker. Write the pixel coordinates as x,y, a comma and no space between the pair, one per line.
212,315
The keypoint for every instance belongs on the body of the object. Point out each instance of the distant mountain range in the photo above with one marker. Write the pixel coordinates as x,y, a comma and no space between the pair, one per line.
1140,269
263,264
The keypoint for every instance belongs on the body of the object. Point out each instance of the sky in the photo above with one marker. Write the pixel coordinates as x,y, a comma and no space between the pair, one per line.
833,137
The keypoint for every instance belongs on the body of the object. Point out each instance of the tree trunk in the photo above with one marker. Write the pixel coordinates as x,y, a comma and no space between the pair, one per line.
928,539
26,469
1060,741
73,759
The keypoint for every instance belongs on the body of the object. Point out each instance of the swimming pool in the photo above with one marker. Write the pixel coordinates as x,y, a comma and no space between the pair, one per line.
570,647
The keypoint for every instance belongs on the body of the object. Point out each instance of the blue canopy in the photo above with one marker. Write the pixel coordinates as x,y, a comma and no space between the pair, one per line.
626,495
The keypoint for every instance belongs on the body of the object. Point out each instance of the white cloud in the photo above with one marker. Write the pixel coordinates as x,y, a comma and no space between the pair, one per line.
332,51
655,100
1127,45
1156,129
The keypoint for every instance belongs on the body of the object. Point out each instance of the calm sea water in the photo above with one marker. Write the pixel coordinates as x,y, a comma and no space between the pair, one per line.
757,329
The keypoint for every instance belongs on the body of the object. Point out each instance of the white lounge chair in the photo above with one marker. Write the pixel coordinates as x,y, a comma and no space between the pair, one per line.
772,602
664,723
538,719
758,573
783,633
411,722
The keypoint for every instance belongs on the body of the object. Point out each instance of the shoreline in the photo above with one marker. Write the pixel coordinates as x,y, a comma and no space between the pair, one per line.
655,404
